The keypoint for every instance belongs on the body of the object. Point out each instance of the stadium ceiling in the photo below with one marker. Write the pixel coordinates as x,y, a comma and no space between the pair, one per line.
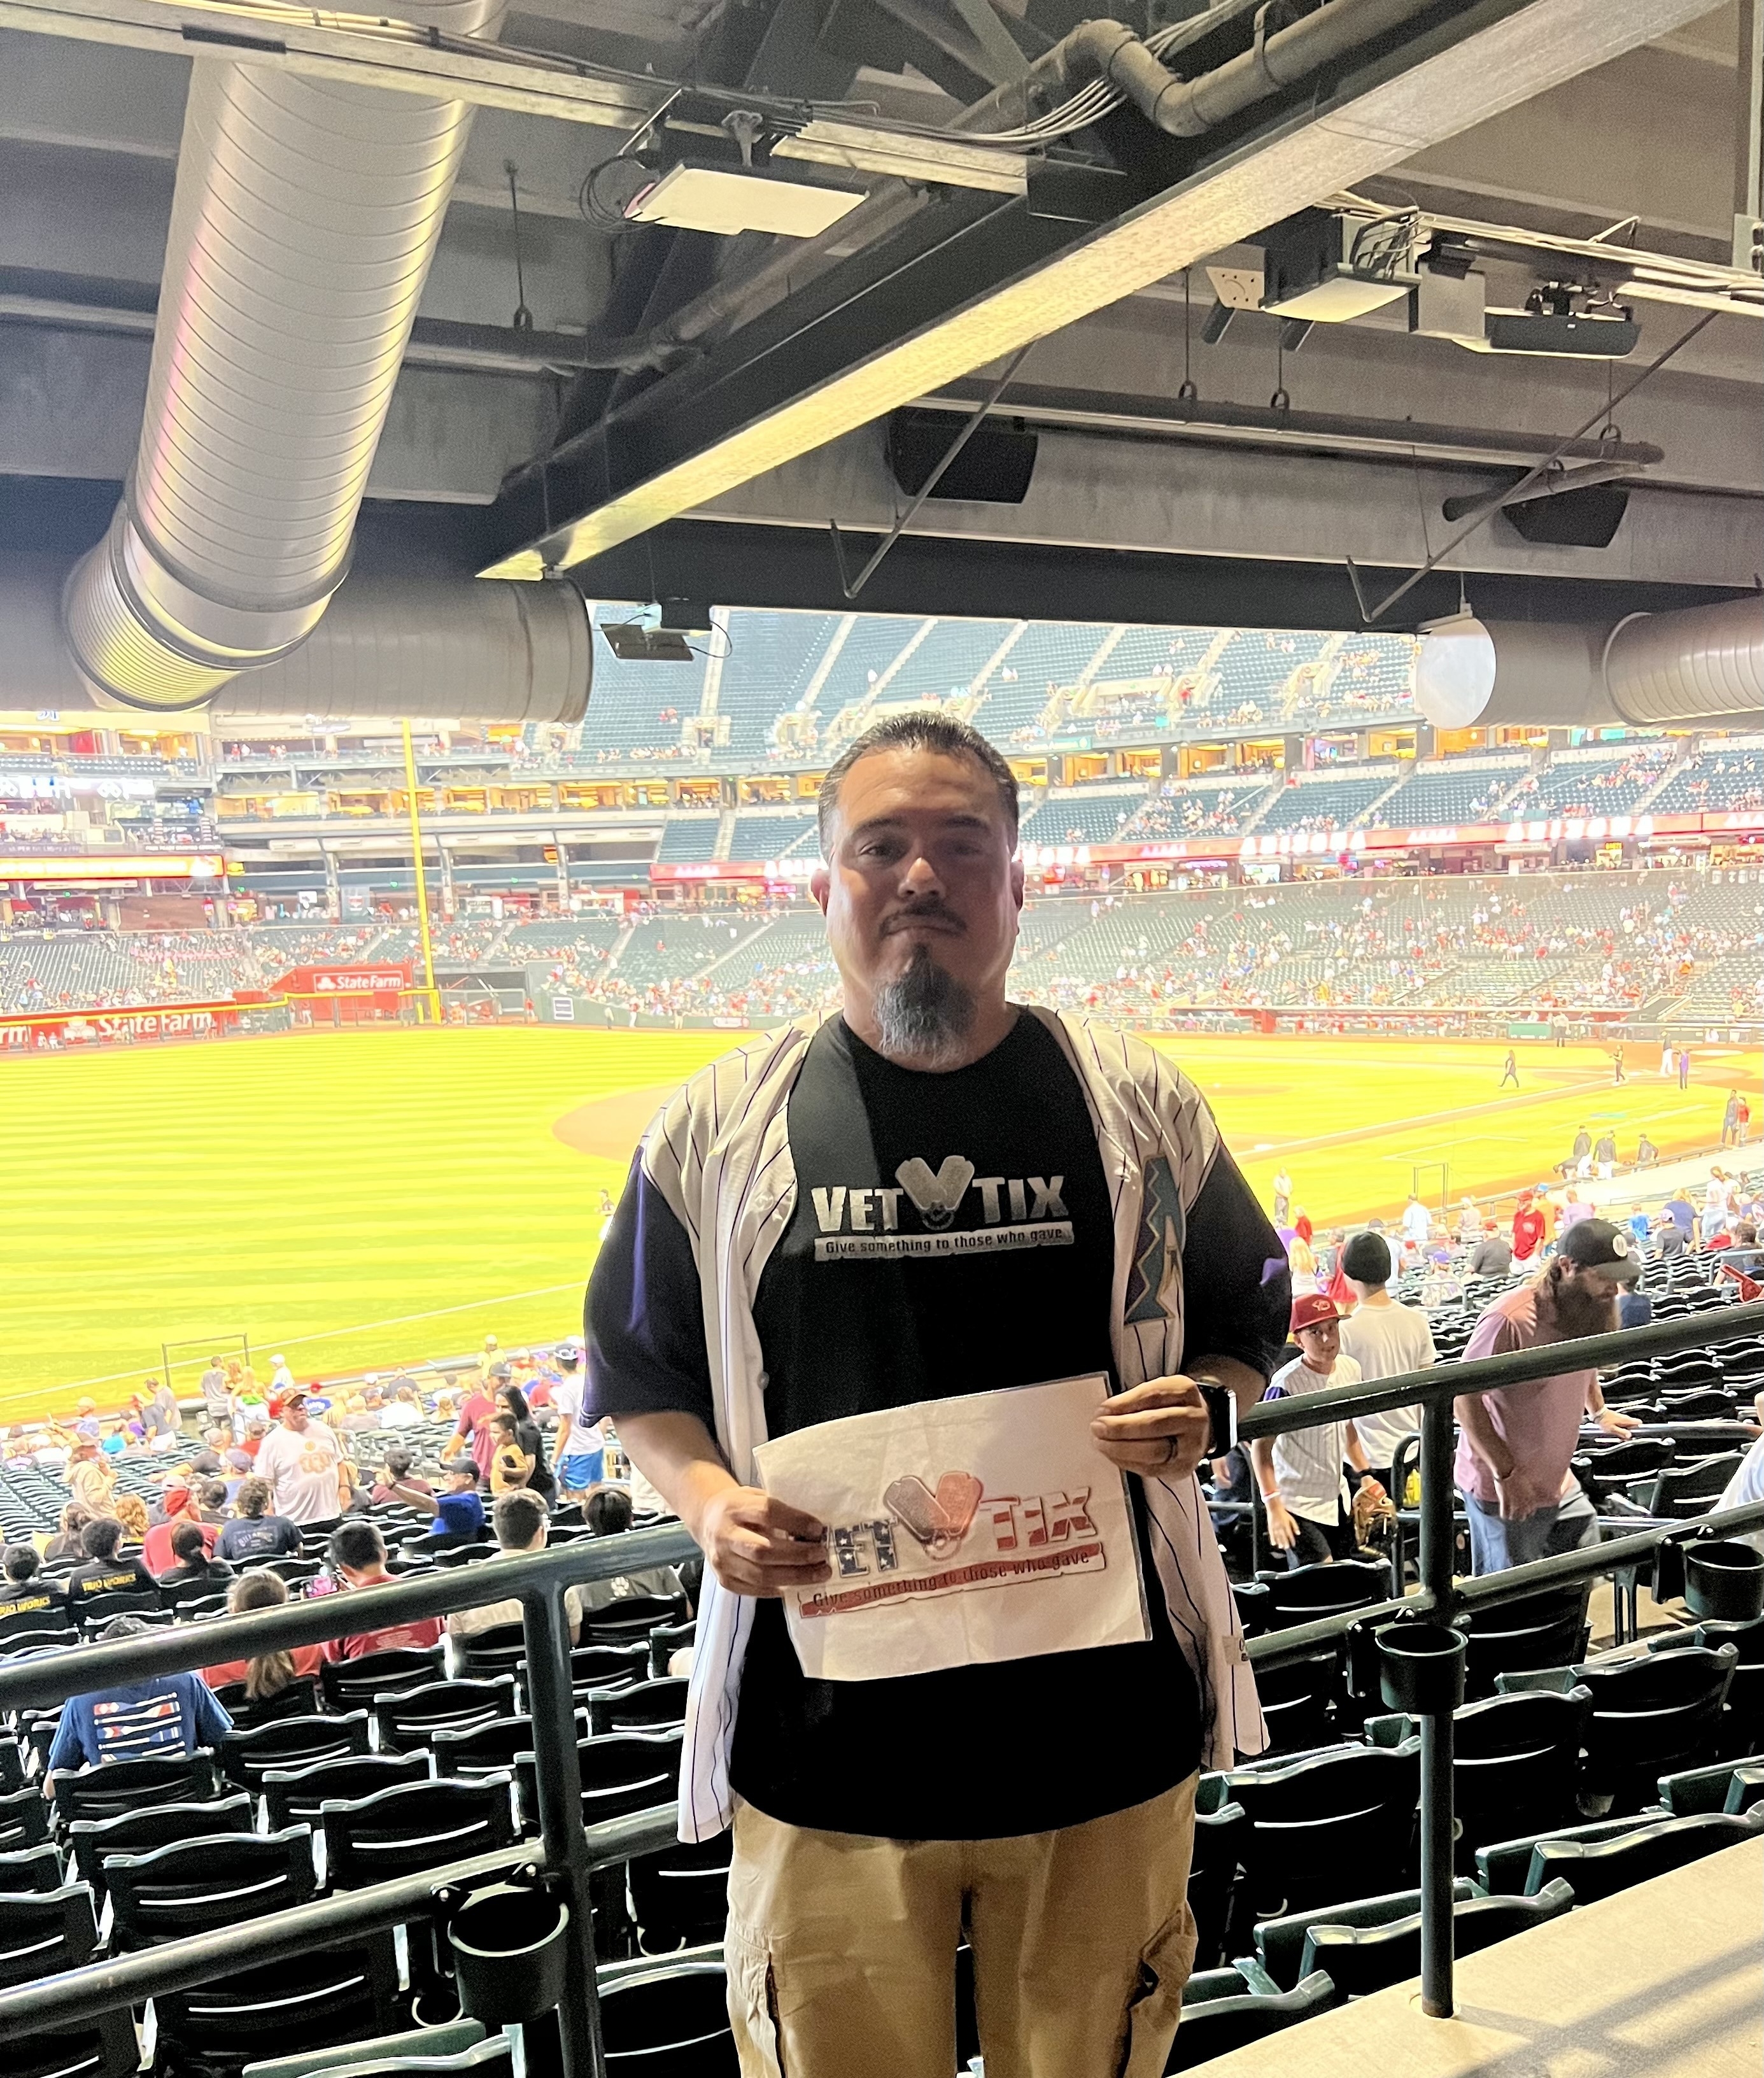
1282,202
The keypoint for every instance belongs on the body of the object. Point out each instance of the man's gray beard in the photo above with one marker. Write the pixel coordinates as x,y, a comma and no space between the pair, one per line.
924,1015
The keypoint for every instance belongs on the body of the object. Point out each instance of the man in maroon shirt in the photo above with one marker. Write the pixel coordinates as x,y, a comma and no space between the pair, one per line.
1514,1444
357,1551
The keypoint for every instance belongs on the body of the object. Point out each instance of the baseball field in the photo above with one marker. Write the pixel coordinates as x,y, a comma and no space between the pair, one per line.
361,1198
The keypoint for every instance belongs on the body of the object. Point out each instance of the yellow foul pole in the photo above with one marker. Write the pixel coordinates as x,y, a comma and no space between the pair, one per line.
431,992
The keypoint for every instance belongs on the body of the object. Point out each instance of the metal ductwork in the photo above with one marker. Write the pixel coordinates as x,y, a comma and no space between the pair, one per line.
306,214
1655,670
454,648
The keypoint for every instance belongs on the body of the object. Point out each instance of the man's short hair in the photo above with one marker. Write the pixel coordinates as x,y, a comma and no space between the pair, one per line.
1366,1260
21,1562
254,1497
188,1542
101,1537
357,1545
924,729
212,1493
608,1512
396,1463
518,1518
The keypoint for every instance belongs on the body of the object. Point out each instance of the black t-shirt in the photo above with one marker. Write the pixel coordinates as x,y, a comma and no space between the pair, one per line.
122,1574
36,1596
1088,1733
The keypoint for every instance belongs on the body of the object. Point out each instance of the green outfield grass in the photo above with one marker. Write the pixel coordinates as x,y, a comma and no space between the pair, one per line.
356,1200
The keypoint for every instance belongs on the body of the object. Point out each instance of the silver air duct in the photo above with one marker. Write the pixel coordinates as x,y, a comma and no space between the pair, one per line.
306,214
458,649
1705,664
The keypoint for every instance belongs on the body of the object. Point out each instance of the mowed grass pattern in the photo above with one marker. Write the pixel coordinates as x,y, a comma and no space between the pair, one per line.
360,1199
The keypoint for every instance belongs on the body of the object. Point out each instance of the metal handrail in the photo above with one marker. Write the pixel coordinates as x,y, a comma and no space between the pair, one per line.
567,1853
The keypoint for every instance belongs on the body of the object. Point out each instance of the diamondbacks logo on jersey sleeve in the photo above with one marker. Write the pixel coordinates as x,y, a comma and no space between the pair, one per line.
917,1214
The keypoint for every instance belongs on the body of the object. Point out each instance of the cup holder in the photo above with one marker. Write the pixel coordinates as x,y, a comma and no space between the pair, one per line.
1723,1583
1421,1668
508,1944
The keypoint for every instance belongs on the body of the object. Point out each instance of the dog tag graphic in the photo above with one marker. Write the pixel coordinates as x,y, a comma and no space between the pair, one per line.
958,1496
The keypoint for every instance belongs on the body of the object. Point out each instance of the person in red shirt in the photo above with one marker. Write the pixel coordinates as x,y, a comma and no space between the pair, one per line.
357,1552
269,1672
180,1505
474,1433
1528,1228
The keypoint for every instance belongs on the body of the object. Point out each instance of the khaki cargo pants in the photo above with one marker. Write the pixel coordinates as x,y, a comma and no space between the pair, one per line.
841,1947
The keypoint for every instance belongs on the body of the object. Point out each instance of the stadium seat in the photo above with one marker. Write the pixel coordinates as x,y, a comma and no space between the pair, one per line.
116,1786
1361,1959
1607,1471
1503,1867
107,2048
45,1932
1597,1868
1651,1715
1299,1699
1682,1491
607,1667
624,1772
299,1698
198,1886
33,1634
493,2058
630,1619
1280,1942
680,1895
98,1610
1516,1761
1252,1599
1544,1630
17,1624
411,1717
11,1766
447,2040
30,1869
671,2022
294,1795
154,1825
639,1707
489,1749
501,1650
291,1743
1212,1876
1218,2018
665,1640
24,1819
336,1996
353,1685
415,1825
1312,1818
1724,1786
1309,1592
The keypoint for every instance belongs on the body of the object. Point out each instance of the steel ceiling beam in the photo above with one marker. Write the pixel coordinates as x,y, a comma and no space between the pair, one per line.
868,341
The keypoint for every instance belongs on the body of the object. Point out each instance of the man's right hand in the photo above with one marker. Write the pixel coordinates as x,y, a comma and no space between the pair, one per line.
1282,1531
758,1544
1521,1493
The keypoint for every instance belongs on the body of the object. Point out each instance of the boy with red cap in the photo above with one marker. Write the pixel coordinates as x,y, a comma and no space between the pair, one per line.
1528,1228
1310,1515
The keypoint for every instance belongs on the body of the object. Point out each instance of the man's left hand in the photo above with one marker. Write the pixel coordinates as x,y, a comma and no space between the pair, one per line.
1160,1428
1615,1423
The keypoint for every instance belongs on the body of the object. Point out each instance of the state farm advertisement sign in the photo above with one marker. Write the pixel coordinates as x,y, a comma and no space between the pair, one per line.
386,978
54,1029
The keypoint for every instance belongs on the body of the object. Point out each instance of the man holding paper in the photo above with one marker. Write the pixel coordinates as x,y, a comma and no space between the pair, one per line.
935,1197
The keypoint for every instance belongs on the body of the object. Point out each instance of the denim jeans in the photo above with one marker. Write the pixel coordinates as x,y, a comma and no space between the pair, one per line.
1495,1545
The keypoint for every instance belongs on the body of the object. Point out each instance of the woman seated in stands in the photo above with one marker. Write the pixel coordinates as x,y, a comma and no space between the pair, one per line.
131,1511
269,1673
254,1533
65,1543
608,1514
191,1565
404,1410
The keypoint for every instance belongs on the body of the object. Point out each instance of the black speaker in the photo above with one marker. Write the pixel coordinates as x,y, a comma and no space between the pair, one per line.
1572,519
994,467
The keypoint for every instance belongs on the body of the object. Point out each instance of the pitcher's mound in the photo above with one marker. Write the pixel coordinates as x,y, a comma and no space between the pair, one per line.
611,1127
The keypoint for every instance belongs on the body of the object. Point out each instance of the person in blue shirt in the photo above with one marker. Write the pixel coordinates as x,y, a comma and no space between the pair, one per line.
1641,1226
161,1716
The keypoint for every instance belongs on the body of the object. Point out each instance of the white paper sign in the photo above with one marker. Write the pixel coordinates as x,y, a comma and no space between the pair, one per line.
959,1532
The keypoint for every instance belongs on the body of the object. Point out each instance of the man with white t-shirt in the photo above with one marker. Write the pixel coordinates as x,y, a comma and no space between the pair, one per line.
1417,1223
1310,1515
1384,1339
579,1449
301,1461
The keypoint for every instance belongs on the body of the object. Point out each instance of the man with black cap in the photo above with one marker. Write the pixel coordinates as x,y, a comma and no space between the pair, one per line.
1384,1339
1514,1444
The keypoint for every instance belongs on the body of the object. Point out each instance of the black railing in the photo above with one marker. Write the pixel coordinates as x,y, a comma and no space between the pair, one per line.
567,1853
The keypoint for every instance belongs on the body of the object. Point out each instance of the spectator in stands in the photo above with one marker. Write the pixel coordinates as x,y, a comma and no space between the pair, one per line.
1747,1484
1417,1223
608,1514
1670,1241
161,1716
1682,1215
580,1446
1514,1446
404,1410
131,1511
511,1466
519,1521
281,1377
511,1401
254,1532
474,1433
356,1554
301,1461
1493,1254
1743,1254
1635,1308
179,1508
399,1482
191,1565
458,1511
217,1394
930,1062
265,1674
102,1572
1301,1265
65,1544
90,1480
26,1589
160,1420
1383,1339
1529,1226
1310,1512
